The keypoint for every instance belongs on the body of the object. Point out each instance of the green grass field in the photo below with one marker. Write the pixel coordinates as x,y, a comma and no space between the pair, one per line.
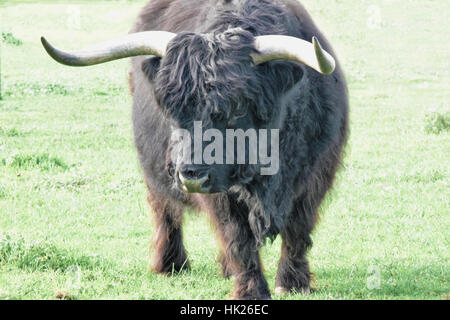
74,223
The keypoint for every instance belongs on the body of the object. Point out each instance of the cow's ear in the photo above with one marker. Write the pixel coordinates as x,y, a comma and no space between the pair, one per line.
297,73
283,74
150,67
290,74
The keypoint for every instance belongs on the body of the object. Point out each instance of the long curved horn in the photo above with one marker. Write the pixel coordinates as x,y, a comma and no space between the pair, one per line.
278,47
135,44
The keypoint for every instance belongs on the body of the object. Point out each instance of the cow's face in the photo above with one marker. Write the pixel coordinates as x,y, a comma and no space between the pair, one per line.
217,102
199,157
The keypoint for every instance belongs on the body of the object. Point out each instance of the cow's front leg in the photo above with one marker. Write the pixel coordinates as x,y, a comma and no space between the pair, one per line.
293,269
239,254
170,254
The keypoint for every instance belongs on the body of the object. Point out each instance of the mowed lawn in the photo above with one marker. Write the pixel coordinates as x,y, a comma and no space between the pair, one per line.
74,223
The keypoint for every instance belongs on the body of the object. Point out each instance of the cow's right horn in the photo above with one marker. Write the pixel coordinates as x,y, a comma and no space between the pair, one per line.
279,47
134,44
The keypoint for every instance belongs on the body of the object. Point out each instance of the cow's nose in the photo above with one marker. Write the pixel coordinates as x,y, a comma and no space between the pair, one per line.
193,179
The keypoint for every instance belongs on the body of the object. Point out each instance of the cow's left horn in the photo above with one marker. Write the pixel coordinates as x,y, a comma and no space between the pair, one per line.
134,44
278,47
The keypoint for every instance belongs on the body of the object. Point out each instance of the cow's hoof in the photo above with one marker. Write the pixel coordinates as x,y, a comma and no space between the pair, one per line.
282,291
306,291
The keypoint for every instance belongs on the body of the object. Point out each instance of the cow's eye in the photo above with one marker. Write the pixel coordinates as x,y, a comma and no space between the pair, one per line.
240,112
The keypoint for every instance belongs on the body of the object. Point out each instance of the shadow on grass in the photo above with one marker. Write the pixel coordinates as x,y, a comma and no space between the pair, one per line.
400,281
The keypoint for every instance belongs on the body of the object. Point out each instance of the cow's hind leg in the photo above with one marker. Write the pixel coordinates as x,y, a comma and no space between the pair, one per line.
293,269
170,254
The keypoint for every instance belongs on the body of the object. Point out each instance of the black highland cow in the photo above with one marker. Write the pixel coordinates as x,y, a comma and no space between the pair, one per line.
243,65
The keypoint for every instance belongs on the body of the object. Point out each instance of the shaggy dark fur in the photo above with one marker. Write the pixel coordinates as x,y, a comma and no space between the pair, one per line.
208,75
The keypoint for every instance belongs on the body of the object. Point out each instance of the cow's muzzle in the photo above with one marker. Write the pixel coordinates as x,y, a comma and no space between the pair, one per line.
192,181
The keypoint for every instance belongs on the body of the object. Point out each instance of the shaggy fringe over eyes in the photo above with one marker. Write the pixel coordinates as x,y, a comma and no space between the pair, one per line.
208,75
